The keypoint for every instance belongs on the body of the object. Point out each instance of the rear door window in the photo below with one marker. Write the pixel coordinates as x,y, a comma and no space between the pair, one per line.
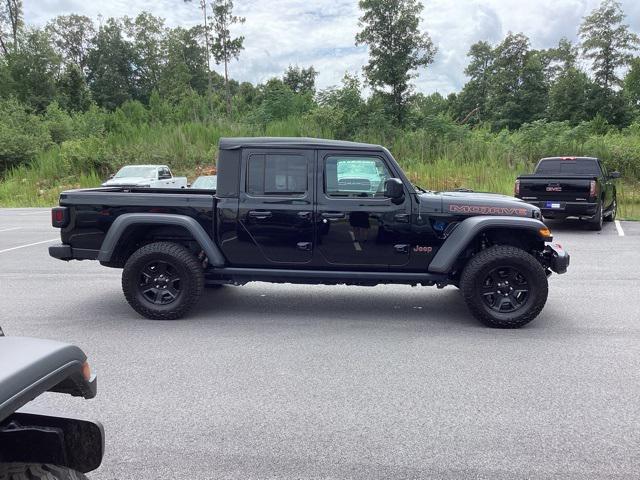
277,174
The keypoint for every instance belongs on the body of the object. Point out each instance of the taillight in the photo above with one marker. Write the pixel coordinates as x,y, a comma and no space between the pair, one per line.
593,188
59,217
516,188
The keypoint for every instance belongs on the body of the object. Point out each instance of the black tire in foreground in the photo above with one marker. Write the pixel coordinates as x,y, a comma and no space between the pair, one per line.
28,471
504,287
162,280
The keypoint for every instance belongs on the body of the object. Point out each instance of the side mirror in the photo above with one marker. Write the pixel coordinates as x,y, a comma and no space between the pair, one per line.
615,174
394,189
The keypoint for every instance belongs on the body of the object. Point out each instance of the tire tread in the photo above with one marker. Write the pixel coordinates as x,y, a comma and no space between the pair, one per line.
496,254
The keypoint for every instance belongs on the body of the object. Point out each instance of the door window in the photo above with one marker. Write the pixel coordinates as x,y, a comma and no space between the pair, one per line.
355,177
277,174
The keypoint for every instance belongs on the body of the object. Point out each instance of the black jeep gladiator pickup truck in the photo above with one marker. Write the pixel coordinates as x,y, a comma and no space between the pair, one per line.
304,210
571,187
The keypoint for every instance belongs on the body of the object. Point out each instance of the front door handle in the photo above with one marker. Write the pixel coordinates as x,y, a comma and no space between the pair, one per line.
304,215
333,215
401,248
401,217
305,246
259,214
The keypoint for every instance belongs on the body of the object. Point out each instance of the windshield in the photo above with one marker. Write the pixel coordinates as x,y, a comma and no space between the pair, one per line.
136,171
206,183
558,166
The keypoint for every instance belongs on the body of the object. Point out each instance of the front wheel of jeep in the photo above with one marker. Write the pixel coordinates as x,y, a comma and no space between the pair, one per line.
504,287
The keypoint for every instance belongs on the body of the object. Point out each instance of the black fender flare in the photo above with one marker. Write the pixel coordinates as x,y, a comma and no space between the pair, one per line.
122,222
468,229
32,366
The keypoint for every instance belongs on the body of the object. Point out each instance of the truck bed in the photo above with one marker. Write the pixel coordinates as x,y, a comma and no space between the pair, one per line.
95,209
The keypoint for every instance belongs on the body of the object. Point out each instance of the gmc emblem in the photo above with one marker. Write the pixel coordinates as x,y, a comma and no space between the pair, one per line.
554,188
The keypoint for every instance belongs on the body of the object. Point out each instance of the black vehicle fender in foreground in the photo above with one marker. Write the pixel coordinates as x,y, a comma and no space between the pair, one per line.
28,368
467,231
127,220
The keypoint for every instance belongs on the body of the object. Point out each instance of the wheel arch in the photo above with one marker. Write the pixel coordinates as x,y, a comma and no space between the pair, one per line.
129,228
521,232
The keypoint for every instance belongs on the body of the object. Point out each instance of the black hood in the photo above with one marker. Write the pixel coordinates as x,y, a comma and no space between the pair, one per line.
474,203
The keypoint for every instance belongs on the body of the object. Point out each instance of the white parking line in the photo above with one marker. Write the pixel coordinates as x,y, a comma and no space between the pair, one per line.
619,228
39,212
9,229
29,245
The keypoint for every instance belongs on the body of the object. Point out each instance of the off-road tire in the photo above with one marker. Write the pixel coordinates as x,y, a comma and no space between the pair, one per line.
30,471
596,222
188,268
611,216
478,268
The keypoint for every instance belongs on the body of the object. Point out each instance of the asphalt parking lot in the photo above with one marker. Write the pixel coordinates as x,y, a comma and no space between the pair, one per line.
281,381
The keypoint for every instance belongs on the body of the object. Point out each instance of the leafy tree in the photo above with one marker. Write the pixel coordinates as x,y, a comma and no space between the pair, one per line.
607,42
73,93
560,59
569,96
10,25
343,107
207,36
185,65
72,36
518,92
22,134
397,48
472,102
34,69
224,47
147,34
301,80
110,66
632,83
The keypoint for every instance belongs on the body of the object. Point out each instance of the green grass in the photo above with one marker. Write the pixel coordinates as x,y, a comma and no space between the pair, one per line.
478,160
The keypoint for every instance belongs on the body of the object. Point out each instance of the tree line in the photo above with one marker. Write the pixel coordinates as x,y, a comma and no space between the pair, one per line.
76,65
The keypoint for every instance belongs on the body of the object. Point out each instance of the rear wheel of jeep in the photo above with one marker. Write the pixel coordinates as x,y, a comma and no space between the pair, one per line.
504,287
162,280
30,471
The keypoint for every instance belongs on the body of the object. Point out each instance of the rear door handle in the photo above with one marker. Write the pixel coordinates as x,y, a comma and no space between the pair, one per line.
259,215
305,215
401,217
334,215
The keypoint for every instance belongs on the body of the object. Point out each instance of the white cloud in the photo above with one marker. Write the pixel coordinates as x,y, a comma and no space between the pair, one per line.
321,32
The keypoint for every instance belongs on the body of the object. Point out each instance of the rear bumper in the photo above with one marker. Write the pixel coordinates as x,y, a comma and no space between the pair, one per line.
62,251
562,209
556,258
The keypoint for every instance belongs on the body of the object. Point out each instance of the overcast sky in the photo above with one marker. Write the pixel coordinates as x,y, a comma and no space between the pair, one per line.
321,32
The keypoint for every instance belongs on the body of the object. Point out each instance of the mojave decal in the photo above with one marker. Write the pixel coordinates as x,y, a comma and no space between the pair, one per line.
487,210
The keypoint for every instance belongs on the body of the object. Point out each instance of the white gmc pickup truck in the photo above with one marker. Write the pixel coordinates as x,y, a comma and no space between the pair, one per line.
154,176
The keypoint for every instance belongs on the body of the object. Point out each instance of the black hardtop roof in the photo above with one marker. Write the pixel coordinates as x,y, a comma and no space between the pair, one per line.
232,143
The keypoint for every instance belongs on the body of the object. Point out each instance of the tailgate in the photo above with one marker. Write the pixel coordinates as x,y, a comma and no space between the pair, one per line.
562,188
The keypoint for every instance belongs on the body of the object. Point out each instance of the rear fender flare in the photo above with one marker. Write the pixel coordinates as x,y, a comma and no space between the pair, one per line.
468,230
126,220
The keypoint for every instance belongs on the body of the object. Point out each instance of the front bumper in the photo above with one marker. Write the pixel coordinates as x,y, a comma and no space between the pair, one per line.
556,258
